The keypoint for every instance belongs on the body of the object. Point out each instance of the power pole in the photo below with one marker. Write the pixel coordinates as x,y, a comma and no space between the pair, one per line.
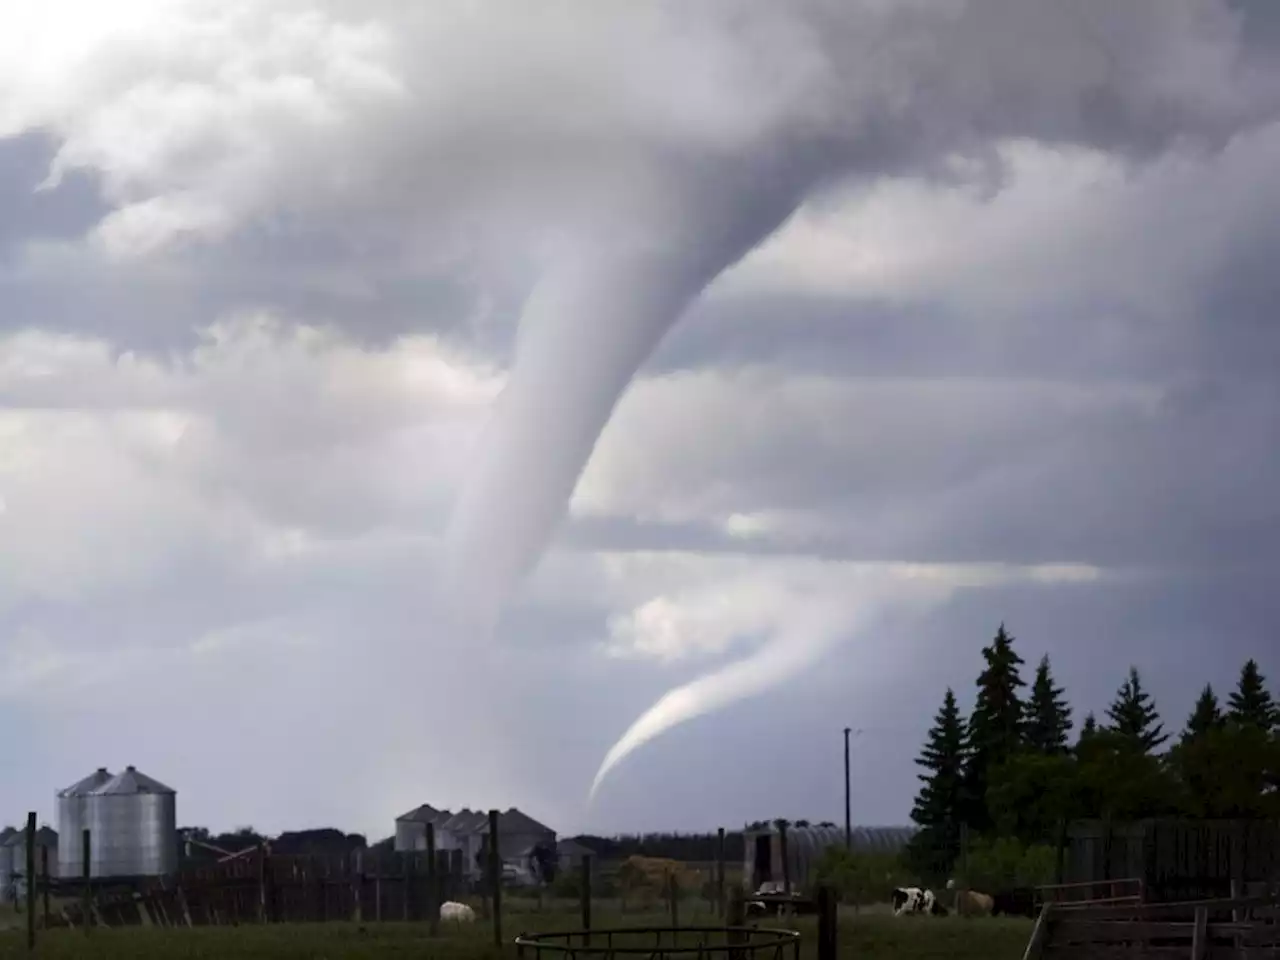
848,820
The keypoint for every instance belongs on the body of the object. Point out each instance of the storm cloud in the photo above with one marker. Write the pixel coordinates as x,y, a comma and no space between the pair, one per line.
1012,358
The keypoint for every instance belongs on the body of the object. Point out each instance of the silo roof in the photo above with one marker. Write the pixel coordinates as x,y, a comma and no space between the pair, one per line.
45,837
466,821
517,821
423,814
6,833
82,788
130,782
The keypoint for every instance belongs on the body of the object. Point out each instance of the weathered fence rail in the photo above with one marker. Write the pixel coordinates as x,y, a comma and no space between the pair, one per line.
1239,929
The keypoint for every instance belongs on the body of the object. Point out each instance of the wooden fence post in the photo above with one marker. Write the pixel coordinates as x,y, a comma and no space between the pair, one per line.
673,894
31,880
786,860
409,857
828,942
1036,945
720,865
321,868
1200,934
1238,849
735,920
1060,855
262,882
44,884
433,887
358,885
377,886
586,898
495,878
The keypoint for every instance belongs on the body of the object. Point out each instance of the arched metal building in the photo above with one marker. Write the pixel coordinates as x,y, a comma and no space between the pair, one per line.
805,847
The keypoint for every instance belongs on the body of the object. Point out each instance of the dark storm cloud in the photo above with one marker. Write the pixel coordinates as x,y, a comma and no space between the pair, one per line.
1178,484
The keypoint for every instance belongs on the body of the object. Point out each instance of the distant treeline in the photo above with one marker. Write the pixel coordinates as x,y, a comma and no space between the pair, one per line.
673,846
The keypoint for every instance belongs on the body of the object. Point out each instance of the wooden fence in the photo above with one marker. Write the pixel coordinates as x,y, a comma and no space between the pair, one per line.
256,888
1240,929
1177,860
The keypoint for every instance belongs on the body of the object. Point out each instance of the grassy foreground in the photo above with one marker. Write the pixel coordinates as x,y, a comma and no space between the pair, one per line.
868,936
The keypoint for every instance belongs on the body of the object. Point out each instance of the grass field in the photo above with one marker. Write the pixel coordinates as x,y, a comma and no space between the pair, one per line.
867,936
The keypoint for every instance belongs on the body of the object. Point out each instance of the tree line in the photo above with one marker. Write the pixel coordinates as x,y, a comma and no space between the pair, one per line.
1016,769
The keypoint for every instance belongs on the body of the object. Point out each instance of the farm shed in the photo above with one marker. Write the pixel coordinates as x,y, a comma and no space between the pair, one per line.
762,849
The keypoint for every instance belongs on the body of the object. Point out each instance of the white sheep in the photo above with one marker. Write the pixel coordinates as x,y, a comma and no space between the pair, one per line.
458,912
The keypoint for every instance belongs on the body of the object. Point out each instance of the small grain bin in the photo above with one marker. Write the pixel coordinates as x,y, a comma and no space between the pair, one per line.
7,847
16,854
133,827
73,817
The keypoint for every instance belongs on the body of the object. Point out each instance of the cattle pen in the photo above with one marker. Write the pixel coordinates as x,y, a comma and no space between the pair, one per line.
1225,929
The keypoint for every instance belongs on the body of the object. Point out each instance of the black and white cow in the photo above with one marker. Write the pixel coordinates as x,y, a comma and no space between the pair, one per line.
916,900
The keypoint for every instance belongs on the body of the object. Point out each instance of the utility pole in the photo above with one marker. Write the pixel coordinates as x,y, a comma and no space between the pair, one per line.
848,820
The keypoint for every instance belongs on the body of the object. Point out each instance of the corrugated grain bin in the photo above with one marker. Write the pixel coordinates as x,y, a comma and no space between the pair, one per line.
16,853
73,816
133,826
7,846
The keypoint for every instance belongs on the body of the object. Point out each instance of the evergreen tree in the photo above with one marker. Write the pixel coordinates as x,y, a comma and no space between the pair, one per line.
995,727
1090,727
938,803
1206,716
1134,717
1048,720
1251,704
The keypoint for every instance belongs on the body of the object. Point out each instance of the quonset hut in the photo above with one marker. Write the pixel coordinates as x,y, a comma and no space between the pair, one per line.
762,849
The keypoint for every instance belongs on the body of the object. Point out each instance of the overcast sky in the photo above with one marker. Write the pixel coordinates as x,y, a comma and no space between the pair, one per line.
1012,358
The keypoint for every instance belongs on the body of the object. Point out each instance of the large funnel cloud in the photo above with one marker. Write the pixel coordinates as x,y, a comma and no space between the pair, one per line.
871,89
593,319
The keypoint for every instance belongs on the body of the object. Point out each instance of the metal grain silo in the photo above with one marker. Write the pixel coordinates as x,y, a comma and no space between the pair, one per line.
134,827
73,818
47,838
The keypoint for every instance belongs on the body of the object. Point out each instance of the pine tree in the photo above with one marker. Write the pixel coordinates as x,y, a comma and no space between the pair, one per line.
938,802
995,727
1251,704
1134,717
1206,716
1089,728
1048,720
